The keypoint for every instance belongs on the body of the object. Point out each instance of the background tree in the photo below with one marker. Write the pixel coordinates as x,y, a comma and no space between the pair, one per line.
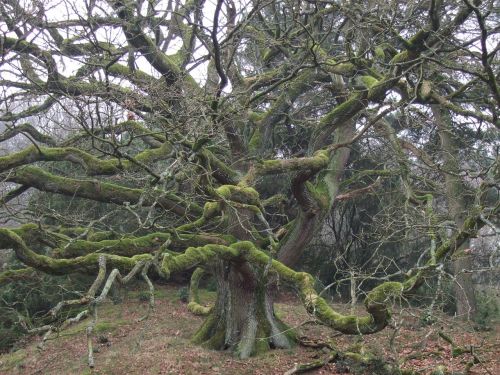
222,135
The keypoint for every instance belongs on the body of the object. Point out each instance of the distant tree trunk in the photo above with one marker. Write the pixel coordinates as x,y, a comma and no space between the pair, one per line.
466,305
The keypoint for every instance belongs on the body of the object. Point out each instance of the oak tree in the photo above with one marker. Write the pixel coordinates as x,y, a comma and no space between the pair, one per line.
219,137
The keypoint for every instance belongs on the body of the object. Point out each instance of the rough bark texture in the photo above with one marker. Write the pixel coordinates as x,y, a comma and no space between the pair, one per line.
243,318
466,304
294,89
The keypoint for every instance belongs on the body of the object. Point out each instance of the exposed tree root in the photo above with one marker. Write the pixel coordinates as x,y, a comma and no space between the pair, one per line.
357,359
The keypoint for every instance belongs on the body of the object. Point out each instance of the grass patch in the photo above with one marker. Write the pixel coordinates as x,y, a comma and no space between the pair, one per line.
207,296
12,360
144,294
100,327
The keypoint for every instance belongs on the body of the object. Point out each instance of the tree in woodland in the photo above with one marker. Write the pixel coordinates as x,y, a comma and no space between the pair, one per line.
219,136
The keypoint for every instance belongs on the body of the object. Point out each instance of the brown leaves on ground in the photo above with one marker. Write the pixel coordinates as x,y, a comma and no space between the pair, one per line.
160,344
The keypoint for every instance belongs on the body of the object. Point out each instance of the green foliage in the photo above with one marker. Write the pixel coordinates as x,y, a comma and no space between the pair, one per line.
183,294
10,329
209,283
27,302
488,308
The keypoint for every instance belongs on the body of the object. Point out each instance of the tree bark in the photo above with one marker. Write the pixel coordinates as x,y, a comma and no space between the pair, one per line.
466,304
243,319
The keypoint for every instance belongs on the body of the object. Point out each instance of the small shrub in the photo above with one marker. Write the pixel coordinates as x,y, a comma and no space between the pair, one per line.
488,309
183,294
143,296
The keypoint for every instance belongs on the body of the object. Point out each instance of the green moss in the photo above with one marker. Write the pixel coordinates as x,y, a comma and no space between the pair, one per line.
290,333
239,193
255,140
320,193
211,209
100,327
379,53
335,67
318,161
198,309
183,240
322,157
189,226
256,116
12,360
401,57
194,305
369,81
124,246
272,164
384,291
457,351
34,235
343,111
16,275
216,341
194,256
261,339
101,236
205,331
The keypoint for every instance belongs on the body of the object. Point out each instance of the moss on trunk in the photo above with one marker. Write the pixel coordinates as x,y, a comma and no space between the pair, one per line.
243,319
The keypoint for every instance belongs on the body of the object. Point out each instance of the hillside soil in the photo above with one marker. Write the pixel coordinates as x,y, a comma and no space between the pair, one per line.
161,344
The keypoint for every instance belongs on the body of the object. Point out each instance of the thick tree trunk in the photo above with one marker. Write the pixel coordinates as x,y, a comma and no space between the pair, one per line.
243,318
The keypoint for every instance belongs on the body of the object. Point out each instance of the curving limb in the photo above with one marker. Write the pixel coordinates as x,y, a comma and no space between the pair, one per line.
194,304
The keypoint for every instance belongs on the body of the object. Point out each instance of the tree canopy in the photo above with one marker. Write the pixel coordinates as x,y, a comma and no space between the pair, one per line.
221,135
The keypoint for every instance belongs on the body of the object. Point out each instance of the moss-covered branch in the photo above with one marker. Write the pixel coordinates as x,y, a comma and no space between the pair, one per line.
134,128
262,135
12,194
310,164
88,241
30,111
84,264
26,129
92,164
22,274
195,305
481,116
164,64
123,247
101,191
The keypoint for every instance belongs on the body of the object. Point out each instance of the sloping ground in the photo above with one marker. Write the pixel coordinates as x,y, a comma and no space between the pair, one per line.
160,344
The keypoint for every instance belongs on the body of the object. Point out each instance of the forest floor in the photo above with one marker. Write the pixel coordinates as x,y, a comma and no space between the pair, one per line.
161,344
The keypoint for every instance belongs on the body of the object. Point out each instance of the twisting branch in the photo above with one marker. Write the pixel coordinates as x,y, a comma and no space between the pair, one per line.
194,304
26,128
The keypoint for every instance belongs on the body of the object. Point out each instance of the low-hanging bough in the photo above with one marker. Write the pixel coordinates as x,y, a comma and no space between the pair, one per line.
165,263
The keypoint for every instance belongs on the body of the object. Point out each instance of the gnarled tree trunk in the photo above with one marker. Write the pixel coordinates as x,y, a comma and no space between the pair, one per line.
243,318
